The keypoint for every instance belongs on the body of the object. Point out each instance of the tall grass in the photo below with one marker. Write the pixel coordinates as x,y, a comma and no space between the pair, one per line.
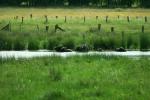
144,42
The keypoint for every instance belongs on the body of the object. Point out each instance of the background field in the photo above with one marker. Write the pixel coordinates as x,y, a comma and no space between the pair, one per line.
77,32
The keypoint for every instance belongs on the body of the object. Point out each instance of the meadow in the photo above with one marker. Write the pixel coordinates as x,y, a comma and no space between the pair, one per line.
122,28
74,78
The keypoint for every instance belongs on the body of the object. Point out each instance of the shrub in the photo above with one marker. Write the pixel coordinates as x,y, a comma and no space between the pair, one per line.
98,43
5,44
19,44
33,44
69,43
52,43
144,42
129,42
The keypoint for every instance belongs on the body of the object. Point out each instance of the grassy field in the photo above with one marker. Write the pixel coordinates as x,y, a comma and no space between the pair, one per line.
27,35
75,78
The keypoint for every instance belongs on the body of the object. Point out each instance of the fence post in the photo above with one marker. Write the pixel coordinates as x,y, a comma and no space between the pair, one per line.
118,17
99,27
22,19
46,19
47,28
65,19
145,19
106,19
31,16
84,19
142,28
96,17
112,29
128,18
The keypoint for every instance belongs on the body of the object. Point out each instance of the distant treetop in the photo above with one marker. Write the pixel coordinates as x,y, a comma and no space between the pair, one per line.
78,3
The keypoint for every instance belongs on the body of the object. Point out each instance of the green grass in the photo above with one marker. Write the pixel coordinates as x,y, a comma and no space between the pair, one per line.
74,78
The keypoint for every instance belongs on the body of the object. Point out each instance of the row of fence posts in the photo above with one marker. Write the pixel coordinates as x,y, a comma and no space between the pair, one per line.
113,29
84,18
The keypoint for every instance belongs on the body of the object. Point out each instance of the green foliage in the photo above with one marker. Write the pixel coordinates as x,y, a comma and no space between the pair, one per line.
52,43
33,44
144,42
69,43
19,44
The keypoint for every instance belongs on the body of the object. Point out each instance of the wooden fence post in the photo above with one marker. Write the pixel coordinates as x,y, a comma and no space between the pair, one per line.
145,19
128,18
112,29
106,19
142,28
65,19
99,27
84,19
22,19
31,16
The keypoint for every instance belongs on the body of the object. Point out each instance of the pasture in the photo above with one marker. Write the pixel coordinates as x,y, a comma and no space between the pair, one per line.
105,28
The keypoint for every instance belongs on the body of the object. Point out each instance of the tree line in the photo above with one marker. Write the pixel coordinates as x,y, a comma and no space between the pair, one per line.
79,3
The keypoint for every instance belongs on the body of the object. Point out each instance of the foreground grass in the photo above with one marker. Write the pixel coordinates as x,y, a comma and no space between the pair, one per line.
75,78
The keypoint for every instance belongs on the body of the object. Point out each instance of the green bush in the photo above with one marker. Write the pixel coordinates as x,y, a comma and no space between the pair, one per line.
69,43
129,42
144,42
33,44
52,43
19,44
